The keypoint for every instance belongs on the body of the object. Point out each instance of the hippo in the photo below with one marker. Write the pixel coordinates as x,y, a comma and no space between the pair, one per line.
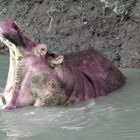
39,77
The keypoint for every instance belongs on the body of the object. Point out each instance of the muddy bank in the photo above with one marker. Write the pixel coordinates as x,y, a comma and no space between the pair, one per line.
111,27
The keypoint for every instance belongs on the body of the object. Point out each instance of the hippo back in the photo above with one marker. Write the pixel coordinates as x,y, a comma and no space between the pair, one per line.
103,75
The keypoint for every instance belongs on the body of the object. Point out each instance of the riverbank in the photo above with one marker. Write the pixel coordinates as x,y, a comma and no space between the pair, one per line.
74,25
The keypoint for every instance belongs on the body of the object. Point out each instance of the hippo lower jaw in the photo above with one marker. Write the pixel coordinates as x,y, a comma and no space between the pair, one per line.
16,57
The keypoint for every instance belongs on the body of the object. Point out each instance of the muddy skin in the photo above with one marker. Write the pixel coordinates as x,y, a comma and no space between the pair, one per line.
40,78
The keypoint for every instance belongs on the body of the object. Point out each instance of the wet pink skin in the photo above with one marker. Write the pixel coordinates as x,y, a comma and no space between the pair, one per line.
89,76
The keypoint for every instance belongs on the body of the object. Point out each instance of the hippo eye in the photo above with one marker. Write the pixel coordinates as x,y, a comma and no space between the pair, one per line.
15,26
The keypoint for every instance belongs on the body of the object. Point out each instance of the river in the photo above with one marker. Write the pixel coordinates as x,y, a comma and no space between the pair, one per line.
114,117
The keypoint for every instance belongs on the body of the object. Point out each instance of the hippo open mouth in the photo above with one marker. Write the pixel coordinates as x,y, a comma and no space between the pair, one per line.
38,77
17,44
16,56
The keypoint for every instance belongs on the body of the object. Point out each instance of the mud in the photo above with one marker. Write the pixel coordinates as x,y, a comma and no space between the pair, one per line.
67,26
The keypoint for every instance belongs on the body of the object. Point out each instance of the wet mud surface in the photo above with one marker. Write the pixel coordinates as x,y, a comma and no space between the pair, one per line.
69,26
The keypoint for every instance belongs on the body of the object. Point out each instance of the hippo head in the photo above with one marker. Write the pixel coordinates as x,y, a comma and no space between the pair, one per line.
32,77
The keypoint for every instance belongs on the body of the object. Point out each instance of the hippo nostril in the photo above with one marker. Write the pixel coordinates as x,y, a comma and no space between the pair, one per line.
3,100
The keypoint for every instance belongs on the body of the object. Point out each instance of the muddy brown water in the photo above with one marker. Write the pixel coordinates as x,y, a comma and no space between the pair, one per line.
114,117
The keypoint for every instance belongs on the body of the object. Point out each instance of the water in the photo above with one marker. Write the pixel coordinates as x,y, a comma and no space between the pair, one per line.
114,117
4,66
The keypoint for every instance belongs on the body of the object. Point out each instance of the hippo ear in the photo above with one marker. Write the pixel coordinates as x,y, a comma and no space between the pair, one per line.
56,61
